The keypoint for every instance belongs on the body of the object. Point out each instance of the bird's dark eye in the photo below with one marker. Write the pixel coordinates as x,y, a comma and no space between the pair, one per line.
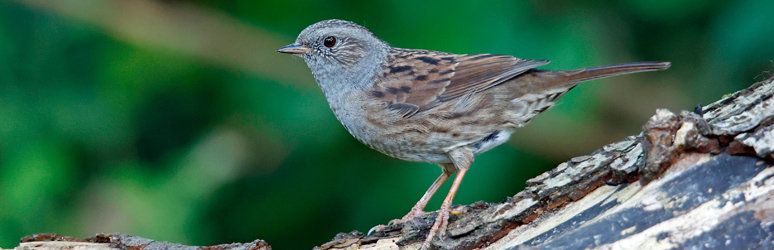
329,41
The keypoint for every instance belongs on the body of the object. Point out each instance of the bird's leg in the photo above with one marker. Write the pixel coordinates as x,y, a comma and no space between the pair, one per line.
461,158
419,208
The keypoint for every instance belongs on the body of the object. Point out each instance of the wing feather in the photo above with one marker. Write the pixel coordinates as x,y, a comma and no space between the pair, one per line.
415,81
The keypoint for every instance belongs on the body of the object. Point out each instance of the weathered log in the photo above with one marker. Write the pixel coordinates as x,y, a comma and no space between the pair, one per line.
700,179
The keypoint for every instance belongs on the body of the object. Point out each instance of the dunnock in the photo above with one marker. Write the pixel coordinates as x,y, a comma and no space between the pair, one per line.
430,106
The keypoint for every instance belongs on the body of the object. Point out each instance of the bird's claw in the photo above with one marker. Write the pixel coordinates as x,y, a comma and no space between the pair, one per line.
408,217
438,228
377,228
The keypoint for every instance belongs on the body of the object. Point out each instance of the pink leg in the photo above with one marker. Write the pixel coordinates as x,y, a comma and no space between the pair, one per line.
419,208
461,157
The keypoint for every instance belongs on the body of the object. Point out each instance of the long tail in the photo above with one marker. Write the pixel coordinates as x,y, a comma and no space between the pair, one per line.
579,75
537,80
537,90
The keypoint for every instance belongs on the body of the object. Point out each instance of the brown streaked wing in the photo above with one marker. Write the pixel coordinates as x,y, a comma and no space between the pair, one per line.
478,72
419,80
413,78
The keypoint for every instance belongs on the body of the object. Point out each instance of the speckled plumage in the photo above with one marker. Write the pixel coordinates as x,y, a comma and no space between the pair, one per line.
430,106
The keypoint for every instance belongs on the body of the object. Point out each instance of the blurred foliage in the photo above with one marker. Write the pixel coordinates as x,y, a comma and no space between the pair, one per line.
177,121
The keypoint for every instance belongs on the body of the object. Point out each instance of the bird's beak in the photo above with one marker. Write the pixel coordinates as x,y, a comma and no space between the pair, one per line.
295,48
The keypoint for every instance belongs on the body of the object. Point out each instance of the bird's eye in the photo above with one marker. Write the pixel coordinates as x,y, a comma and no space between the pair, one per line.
329,41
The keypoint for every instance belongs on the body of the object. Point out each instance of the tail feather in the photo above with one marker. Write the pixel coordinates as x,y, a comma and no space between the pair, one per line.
538,90
575,76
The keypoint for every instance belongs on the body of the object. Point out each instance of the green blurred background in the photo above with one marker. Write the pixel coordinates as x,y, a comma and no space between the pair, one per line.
177,121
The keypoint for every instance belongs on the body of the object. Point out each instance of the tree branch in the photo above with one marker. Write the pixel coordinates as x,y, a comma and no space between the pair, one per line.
699,179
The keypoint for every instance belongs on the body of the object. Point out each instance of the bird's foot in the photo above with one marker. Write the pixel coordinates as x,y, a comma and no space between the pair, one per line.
414,213
439,227
377,228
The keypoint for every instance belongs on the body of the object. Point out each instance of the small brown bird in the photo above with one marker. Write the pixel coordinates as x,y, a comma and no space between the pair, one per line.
430,106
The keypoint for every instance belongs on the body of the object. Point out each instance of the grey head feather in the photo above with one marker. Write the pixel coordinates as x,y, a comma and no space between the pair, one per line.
352,63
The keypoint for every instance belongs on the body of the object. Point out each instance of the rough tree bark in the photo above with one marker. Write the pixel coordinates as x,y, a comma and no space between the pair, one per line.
694,180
